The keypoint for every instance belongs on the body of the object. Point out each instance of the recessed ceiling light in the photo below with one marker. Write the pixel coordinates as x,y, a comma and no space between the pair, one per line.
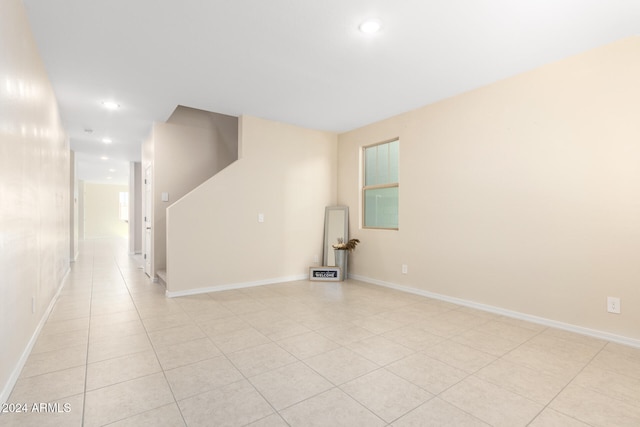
370,26
112,170
110,105
104,158
107,140
88,130
109,177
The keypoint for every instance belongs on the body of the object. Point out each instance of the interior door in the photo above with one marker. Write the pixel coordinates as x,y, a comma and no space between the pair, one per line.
148,250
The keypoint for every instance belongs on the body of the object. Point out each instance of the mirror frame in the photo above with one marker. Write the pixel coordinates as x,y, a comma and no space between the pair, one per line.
328,250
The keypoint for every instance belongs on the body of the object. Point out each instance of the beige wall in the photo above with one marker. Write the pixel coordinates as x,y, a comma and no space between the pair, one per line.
184,153
80,210
73,208
135,208
214,239
523,195
101,210
34,194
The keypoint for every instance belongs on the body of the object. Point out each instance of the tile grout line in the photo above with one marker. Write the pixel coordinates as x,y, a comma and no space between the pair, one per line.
153,347
567,385
86,365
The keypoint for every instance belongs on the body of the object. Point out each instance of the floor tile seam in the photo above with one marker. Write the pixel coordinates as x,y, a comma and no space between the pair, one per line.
438,397
116,326
276,411
57,399
363,405
163,345
168,327
383,368
138,414
433,396
67,347
568,383
502,357
389,423
112,422
190,363
173,395
606,366
249,326
153,348
381,335
333,387
244,380
93,390
495,357
109,340
201,322
265,417
413,352
585,364
515,341
516,392
54,371
86,364
313,355
344,382
226,355
468,373
118,357
237,368
441,397
65,319
509,322
422,353
48,334
519,345
582,343
635,404
297,334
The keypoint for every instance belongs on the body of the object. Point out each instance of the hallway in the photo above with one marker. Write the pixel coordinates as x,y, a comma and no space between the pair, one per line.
115,351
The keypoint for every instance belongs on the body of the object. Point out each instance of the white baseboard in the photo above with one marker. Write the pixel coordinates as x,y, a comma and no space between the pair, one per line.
504,312
15,374
232,286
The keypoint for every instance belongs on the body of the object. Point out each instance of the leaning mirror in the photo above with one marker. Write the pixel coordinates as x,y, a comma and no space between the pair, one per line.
336,225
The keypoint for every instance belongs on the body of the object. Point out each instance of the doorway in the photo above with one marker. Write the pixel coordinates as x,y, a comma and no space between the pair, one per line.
148,249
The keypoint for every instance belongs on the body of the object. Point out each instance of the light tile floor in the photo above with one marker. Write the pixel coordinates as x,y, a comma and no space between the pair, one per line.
117,352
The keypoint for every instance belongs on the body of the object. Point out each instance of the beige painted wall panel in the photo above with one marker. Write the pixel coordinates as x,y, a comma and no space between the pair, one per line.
135,207
101,210
184,157
34,192
73,208
288,174
522,195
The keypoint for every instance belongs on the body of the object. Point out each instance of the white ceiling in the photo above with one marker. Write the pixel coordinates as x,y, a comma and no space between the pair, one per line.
302,62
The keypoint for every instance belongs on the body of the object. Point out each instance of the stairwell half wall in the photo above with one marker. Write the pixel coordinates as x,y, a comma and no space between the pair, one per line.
214,239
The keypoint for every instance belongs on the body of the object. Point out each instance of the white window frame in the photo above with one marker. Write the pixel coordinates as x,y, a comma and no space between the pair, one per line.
365,187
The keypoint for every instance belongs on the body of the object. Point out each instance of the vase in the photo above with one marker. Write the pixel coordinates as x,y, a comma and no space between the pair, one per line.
342,257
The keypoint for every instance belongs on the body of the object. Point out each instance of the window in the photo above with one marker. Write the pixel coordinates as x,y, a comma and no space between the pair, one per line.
380,191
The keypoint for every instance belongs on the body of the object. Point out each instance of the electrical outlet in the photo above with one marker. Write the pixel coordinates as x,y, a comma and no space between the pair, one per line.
613,305
316,259
405,269
260,217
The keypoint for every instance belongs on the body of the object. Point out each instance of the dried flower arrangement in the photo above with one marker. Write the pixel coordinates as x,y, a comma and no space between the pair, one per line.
348,246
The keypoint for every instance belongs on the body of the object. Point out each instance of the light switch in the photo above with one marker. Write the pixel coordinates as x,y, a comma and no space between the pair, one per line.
165,197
